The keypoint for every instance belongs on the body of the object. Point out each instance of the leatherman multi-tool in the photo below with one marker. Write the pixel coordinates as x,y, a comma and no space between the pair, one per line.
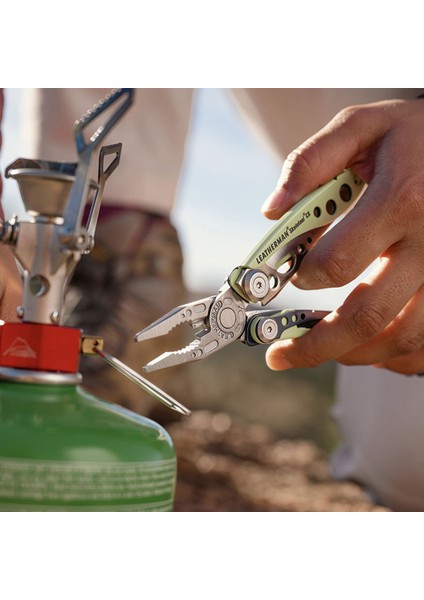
226,317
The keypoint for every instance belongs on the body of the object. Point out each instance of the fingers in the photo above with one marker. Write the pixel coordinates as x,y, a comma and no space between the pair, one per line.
403,338
10,285
323,156
347,249
369,309
390,210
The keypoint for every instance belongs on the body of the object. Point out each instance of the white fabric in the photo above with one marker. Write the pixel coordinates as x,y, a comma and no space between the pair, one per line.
381,417
153,134
284,118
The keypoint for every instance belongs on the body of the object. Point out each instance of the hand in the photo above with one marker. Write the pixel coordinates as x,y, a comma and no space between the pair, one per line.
10,279
381,322
10,285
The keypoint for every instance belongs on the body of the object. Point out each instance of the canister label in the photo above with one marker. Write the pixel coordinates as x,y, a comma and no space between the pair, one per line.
67,486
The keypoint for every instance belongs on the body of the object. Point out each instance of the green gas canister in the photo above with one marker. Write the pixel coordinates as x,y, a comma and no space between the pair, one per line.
62,448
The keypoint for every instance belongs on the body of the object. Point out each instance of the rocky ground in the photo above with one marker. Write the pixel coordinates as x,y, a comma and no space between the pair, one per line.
227,465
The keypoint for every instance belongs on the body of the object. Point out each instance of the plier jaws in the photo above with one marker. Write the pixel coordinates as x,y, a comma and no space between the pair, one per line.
193,313
219,320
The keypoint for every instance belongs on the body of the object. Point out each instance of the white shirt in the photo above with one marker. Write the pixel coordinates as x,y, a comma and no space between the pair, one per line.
153,133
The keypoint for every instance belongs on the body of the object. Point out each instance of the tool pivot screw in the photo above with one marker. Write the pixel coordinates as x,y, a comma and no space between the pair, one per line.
267,330
256,284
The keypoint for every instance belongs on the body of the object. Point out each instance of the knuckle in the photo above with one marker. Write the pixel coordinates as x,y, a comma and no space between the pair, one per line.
412,194
331,270
408,342
354,115
302,162
366,322
308,358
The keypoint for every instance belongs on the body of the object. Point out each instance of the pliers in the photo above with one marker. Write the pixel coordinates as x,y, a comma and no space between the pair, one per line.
226,317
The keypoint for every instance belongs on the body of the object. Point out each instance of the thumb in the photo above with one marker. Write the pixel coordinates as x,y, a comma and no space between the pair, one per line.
325,155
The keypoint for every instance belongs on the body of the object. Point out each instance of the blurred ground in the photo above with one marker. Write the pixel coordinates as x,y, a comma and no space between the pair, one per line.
224,465
258,440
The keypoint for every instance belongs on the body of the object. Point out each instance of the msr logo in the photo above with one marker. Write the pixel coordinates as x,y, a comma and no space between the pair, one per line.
20,348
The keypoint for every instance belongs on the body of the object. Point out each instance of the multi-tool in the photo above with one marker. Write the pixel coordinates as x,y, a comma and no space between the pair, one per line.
230,315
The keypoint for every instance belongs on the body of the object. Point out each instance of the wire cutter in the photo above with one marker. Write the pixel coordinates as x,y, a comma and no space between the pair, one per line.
222,319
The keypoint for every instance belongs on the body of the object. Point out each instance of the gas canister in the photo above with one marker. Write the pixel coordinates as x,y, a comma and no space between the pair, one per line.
62,449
